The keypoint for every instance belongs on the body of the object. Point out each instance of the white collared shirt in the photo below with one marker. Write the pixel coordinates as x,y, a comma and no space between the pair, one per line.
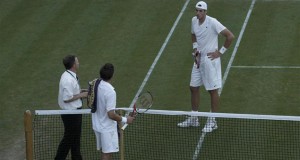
106,101
207,34
68,87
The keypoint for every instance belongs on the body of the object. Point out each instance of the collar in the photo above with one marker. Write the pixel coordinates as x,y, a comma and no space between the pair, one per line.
73,74
107,84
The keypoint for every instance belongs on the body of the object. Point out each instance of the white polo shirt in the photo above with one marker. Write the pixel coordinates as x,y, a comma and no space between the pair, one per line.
106,101
68,87
207,34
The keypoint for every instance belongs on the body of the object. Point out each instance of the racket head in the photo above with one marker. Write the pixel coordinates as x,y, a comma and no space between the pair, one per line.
143,102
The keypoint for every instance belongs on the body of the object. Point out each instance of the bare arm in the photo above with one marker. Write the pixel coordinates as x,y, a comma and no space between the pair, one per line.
112,115
193,41
194,38
229,37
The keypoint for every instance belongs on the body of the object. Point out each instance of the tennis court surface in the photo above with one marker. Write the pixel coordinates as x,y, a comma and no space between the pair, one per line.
262,68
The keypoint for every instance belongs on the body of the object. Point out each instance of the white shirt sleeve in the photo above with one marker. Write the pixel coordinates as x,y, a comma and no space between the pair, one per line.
111,101
218,26
194,20
68,90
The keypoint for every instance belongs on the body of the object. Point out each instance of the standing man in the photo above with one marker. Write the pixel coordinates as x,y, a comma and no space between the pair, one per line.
207,68
69,98
105,119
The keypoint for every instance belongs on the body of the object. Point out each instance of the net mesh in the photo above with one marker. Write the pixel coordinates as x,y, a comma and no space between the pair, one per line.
49,131
155,136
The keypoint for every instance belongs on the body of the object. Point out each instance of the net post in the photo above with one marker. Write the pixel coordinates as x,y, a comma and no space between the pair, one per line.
122,149
28,134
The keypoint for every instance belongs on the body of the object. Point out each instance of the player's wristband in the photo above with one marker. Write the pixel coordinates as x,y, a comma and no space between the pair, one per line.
195,45
124,119
223,50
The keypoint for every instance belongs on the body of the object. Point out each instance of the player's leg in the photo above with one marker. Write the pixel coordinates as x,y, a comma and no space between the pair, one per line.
212,82
106,156
214,99
195,84
110,144
195,98
98,141
211,123
102,140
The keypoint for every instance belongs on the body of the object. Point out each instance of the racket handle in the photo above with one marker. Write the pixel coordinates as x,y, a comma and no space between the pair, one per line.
125,125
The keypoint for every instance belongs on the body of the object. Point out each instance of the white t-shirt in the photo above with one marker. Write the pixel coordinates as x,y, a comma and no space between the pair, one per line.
106,101
68,87
207,34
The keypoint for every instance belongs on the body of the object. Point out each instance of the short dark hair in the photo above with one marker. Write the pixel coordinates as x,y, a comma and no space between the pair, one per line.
69,61
107,71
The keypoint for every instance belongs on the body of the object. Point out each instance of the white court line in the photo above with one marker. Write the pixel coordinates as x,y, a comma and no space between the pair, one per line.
236,46
201,139
159,54
267,67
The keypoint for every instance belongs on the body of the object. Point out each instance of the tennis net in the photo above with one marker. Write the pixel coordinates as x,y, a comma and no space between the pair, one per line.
155,136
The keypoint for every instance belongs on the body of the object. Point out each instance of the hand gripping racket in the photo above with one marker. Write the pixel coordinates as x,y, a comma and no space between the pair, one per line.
197,58
142,105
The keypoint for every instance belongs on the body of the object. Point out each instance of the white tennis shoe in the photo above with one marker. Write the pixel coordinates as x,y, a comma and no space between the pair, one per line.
210,125
189,122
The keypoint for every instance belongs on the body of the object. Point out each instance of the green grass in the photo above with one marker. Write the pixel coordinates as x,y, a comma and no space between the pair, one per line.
36,35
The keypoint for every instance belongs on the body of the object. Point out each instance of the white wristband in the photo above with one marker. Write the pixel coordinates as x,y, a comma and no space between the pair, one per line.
124,119
223,50
195,45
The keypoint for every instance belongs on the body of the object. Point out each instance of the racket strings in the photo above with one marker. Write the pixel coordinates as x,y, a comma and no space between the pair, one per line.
145,101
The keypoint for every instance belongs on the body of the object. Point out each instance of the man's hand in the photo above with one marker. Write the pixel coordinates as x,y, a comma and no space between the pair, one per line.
84,90
83,94
130,119
214,55
196,55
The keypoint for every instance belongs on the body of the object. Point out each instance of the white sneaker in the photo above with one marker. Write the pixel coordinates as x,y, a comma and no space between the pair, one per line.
211,125
190,121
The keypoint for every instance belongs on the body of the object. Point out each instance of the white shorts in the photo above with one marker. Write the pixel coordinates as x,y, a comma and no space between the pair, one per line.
208,74
108,141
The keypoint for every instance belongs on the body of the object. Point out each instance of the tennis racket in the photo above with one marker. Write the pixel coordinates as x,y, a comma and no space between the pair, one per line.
197,58
142,105
92,94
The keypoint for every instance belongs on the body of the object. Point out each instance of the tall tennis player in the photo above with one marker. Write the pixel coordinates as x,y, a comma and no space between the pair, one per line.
205,31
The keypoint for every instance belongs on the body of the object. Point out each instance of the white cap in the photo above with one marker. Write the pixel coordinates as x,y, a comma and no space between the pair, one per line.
201,5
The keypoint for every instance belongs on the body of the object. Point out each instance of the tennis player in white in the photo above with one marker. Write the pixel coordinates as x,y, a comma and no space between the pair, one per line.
207,67
105,119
